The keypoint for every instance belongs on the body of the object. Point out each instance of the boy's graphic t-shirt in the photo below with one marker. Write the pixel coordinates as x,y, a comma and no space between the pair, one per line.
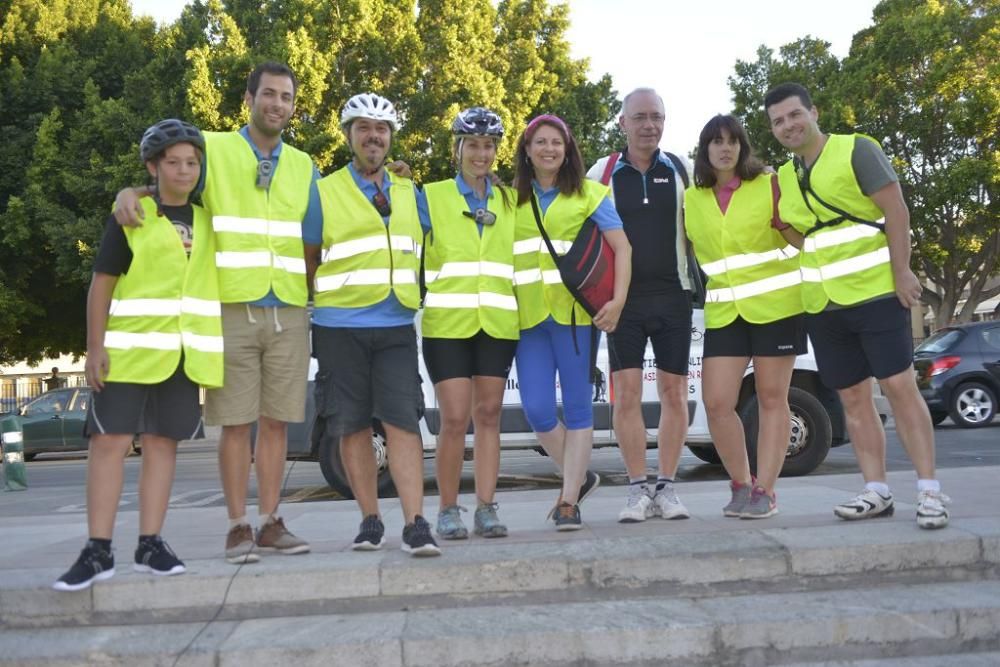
114,256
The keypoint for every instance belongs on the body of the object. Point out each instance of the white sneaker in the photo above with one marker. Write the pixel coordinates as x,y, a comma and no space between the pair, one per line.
667,505
866,505
932,510
638,505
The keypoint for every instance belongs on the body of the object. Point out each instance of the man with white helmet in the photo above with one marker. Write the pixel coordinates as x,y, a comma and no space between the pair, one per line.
366,294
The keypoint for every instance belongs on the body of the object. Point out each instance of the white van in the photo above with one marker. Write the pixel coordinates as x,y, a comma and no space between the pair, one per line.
817,418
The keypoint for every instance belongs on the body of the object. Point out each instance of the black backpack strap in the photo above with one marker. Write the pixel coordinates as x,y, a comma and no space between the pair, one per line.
842,215
679,166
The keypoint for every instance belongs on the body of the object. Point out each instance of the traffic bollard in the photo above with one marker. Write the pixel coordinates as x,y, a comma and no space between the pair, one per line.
15,477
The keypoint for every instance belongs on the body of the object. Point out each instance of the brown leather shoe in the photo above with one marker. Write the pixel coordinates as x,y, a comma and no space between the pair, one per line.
239,545
273,536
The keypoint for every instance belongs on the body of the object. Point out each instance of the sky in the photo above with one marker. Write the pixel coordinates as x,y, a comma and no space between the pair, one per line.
684,49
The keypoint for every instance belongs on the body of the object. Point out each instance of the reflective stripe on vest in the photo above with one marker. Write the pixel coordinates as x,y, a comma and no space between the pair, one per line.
539,288
845,263
752,272
258,233
164,304
363,258
469,277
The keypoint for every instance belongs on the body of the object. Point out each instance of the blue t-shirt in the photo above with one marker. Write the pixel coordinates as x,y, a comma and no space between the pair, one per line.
386,313
606,216
471,200
312,223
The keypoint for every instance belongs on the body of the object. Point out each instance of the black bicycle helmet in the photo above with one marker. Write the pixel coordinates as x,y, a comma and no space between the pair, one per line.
477,121
166,133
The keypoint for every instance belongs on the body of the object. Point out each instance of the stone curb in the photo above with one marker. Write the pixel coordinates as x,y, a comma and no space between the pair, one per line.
478,569
892,621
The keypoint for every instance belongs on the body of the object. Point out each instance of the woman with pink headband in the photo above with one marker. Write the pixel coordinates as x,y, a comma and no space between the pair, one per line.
550,183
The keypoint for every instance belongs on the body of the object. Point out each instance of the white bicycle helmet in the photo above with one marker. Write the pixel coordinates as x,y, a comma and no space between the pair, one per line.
477,121
371,106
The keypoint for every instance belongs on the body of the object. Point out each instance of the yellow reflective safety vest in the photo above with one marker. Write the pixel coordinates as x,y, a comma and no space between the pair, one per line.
166,303
538,286
258,231
847,262
363,258
469,278
752,272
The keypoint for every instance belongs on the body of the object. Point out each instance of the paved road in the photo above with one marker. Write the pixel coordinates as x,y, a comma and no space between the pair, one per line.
57,481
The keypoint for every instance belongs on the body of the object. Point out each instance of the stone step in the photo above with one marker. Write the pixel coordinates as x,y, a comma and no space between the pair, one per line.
851,626
692,565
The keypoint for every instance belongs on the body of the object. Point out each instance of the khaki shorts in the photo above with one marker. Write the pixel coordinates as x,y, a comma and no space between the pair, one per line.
267,364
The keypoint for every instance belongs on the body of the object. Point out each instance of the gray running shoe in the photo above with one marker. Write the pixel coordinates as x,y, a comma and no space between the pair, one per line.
760,505
741,496
667,505
638,505
486,521
449,524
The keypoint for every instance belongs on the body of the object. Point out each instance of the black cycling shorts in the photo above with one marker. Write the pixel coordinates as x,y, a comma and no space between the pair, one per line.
852,344
663,319
484,355
740,338
169,409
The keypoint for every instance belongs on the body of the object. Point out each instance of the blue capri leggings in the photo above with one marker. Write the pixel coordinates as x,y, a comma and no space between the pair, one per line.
542,350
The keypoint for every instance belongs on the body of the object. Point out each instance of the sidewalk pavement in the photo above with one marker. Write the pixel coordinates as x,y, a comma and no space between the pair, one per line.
51,543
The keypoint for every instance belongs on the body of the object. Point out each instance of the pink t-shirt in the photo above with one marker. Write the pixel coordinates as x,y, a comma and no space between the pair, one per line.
724,195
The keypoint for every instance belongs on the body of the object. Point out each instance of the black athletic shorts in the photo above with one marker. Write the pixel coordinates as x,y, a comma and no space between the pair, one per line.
740,338
169,409
367,373
447,358
852,344
663,319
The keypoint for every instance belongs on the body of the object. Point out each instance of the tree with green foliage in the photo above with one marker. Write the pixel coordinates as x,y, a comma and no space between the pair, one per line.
924,81
84,78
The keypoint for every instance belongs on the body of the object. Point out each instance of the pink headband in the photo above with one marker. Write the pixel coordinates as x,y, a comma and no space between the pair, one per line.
547,118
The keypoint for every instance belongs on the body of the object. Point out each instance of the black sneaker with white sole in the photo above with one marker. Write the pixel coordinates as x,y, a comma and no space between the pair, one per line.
155,556
417,540
93,564
371,537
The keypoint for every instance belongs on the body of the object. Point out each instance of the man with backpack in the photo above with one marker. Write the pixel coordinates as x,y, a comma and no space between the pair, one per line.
647,186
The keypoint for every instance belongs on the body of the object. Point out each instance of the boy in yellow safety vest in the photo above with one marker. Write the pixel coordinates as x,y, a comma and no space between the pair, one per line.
154,333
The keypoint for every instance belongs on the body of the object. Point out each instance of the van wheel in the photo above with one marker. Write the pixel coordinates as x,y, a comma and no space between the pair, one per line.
706,454
809,439
332,466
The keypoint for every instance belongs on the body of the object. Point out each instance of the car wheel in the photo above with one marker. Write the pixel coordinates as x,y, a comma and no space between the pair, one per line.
30,457
332,465
973,405
706,454
938,416
810,436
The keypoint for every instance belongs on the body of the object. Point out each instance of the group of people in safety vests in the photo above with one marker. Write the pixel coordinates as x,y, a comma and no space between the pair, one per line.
214,294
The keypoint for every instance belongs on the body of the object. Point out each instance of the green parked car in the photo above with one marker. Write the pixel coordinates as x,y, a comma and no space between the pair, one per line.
53,422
